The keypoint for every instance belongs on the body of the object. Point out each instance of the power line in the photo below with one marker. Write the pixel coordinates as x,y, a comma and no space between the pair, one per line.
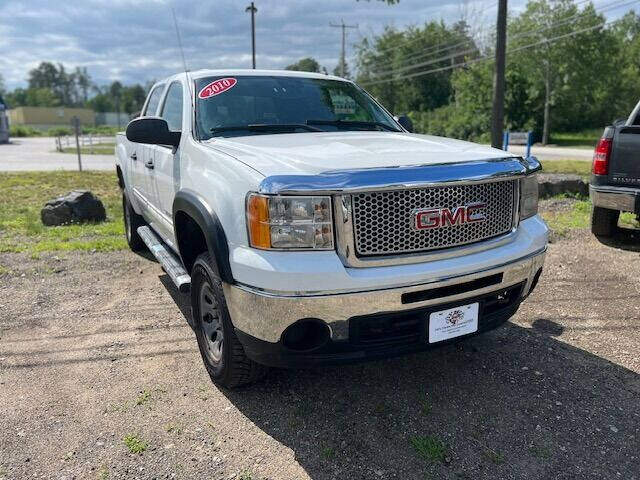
490,57
615,4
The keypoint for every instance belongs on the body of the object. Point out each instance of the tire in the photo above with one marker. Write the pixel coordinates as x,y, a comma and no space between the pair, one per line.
604,222
131,223
222,353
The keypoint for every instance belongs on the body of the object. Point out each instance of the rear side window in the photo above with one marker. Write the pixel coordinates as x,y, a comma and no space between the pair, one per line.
154,101
172,108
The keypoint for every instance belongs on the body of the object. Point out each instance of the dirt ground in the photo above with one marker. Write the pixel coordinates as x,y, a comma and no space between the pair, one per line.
95,347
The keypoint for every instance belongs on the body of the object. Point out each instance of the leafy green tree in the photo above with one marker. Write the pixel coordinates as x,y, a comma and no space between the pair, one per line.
3,87
307,64
386,64
563,83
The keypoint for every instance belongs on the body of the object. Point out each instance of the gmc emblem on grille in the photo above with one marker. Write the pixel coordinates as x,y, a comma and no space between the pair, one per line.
447,217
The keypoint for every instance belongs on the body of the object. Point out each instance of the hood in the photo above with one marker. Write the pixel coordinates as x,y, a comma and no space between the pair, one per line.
313,153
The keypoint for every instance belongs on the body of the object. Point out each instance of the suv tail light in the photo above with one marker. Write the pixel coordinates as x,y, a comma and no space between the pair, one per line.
602,155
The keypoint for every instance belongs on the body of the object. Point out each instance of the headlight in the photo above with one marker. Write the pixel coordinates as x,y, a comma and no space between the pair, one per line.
528,196
276,222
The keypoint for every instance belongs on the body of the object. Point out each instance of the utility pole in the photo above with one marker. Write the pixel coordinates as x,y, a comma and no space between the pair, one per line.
497,118
251,8
343,61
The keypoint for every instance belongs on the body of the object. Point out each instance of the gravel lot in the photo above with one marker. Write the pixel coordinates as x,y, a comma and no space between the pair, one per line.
95,347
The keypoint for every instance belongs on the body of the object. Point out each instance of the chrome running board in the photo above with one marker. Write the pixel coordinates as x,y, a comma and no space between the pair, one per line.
169,261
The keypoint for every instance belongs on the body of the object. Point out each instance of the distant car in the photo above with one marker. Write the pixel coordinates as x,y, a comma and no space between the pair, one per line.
4,122
615,183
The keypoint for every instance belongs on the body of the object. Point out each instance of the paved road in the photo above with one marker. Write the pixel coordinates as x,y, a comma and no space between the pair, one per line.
555,153
29,154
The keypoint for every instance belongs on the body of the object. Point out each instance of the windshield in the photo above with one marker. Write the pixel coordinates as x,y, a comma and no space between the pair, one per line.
258,105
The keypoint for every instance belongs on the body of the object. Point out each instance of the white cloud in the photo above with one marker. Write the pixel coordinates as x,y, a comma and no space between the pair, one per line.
135,41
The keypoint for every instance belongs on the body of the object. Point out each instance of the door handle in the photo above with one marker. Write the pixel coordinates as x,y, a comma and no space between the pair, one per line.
149,164
134,157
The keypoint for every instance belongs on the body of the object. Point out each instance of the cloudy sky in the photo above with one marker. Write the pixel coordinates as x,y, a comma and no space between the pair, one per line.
135,40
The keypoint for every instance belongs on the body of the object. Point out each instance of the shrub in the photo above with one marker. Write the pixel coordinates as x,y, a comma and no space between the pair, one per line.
59,132
23,131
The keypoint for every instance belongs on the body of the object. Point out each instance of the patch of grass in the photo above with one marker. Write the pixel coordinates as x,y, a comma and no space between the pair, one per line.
245,475
429,448
585,138
134,444
144,397
3,270
328,451
560,222
540,452
577,167
97,149
23,194
425,405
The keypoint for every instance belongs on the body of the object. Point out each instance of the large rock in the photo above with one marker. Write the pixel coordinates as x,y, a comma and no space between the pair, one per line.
75,207
551,184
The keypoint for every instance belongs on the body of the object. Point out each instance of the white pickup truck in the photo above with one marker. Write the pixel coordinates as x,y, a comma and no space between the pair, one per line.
311,227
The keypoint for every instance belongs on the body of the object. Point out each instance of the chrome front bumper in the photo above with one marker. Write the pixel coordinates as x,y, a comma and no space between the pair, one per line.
265,316
625,199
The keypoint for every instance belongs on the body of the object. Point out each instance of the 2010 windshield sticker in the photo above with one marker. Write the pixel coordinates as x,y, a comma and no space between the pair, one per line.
217,87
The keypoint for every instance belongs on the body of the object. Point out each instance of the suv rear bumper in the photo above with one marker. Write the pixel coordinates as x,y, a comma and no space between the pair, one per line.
625,199
376,323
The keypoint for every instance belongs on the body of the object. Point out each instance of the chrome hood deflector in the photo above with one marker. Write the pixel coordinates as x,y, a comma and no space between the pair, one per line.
389,178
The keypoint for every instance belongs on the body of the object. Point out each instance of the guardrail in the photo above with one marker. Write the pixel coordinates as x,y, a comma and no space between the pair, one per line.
69,141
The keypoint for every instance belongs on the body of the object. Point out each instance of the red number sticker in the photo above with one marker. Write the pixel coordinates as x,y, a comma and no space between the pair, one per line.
217,87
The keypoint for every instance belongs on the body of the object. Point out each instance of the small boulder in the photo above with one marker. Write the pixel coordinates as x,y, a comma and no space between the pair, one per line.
77,206
551,184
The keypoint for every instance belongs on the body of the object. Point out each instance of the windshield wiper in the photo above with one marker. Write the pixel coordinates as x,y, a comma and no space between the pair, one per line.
353,123
267,127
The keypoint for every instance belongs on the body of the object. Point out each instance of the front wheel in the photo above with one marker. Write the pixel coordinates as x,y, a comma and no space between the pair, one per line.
604,222
221,351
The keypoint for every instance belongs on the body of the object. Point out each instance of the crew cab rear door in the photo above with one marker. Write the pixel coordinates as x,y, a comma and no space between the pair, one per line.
166,163
141,160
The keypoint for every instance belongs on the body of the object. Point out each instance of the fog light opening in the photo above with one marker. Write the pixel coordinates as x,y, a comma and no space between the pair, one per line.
305,335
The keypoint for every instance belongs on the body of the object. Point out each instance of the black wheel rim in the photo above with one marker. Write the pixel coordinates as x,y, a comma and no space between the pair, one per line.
211,323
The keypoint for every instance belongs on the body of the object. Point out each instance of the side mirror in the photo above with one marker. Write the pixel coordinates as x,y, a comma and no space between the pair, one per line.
406,122
134,115
153,130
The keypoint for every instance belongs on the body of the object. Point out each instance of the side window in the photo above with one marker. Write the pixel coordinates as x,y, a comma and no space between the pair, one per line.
154,101
637,120
172,108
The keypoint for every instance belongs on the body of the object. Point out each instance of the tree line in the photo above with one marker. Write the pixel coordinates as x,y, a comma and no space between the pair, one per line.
53,85
568,69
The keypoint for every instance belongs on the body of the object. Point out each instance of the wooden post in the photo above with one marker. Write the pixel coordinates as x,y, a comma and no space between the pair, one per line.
76,127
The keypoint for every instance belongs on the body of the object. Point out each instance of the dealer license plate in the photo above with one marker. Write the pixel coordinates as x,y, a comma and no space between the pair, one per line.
453,322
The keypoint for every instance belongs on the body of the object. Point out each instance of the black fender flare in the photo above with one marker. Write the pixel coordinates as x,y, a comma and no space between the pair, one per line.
192,204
